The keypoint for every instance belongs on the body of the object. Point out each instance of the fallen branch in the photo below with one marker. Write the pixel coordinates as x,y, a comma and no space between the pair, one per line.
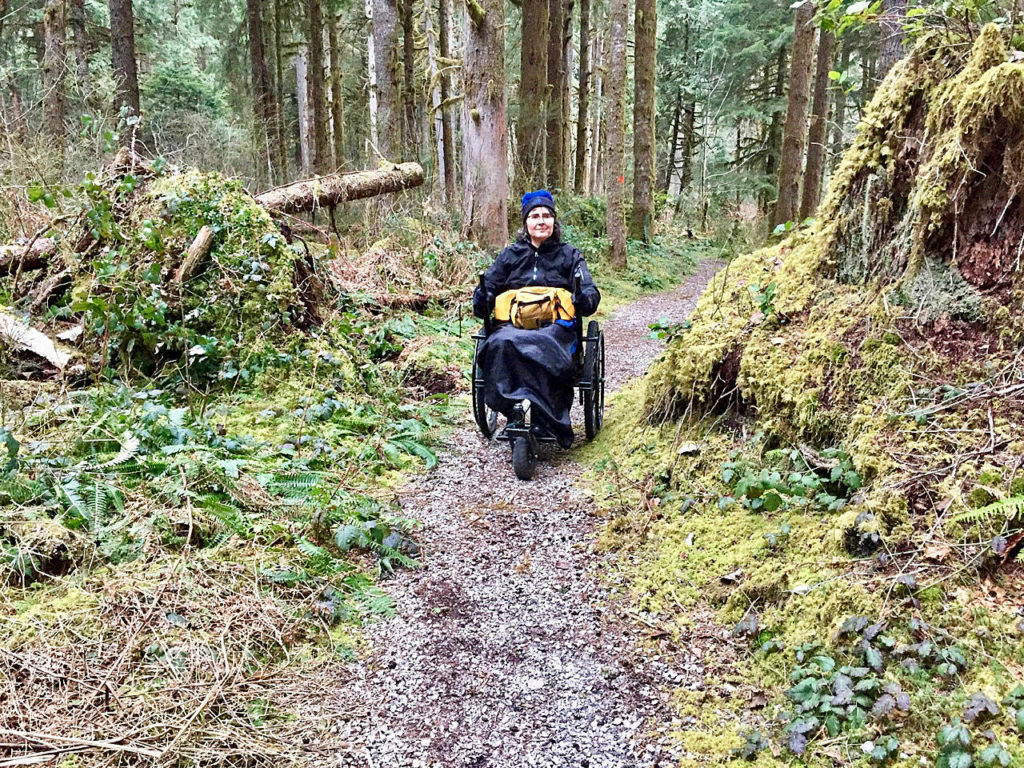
197,253
47,739
27,338
328,191
14,258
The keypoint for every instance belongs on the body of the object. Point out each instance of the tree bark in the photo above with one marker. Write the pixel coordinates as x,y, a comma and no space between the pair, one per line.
319,144
894,16
596,180
645,27
773,141
556,92
327,191
302,107
673,143
435,99
280,134
444,41
795,130
77,19
262,95
614,156
337,97
484,132
122,56
839,121
53,73
568,65
817,136
580,175
383,83
18,258
410,133
533,84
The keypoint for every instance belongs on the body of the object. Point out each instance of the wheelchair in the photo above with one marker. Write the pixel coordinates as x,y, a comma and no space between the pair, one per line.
588,380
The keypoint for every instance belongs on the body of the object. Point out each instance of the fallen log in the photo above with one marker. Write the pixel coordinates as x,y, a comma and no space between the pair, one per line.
25,337
14,258
328,191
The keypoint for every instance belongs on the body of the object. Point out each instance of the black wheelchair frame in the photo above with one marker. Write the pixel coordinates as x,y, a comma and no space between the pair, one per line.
588,379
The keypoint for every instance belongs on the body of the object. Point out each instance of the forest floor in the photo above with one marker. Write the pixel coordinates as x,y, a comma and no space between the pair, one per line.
514,644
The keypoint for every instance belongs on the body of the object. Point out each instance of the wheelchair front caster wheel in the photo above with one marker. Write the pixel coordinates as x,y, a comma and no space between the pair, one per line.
524,460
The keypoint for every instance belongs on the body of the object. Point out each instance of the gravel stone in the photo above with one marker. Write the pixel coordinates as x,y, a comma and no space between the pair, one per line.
509,646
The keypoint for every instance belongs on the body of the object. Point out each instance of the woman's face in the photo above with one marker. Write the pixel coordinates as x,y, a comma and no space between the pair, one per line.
540,223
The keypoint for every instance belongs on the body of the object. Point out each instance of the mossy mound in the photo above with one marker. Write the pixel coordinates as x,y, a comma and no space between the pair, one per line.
181,267
838,433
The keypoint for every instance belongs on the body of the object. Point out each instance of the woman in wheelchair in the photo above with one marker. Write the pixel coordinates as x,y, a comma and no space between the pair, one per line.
534,361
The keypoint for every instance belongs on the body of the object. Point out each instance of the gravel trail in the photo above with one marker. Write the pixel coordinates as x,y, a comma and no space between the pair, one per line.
507,647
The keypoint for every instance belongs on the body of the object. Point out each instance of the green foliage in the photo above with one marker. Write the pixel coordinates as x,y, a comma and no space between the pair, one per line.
768,488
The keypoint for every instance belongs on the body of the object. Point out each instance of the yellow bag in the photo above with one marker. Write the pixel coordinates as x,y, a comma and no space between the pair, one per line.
534,306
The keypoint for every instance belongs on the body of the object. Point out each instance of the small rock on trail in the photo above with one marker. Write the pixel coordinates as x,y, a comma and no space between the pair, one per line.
508,647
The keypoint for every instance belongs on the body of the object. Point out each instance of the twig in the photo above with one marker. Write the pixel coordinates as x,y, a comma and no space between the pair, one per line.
110,744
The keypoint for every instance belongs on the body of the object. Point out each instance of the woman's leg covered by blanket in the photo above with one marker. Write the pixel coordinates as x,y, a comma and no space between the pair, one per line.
532,365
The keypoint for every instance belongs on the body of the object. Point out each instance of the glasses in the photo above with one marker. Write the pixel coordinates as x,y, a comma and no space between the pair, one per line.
539,217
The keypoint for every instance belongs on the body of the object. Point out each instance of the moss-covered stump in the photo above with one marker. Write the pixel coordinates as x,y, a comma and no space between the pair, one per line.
836,440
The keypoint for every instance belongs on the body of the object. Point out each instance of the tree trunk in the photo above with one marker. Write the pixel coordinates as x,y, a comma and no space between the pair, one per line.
435,99
582,113
839,121
773,142
817,136
53,73
645,56
77,19
673,145
556,92
383,82
410,133
447,133
281,171
894,16
533,84
568,65
328,191
262,95
484,131
302,107
596,180
337,97
794,132
122,57
614,156
319,144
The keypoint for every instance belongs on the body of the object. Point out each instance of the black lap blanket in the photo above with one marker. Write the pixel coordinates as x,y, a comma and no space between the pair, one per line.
531,365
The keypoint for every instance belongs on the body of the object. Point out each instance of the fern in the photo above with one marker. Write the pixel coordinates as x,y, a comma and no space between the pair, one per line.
230,516
1007,508
309,549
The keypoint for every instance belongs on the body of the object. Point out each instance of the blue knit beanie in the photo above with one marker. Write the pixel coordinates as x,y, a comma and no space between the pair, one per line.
537,199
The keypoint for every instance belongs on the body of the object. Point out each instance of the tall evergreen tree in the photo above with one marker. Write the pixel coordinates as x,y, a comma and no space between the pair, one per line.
794,133
484,127
556,92
615,160
817,136
645,56
580,173
385,112
122,55
54,101
533,89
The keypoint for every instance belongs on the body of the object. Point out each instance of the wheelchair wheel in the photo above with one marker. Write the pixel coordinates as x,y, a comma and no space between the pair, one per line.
524,460
486,418
593,371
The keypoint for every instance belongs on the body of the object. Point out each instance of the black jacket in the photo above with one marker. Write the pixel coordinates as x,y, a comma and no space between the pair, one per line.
554,264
